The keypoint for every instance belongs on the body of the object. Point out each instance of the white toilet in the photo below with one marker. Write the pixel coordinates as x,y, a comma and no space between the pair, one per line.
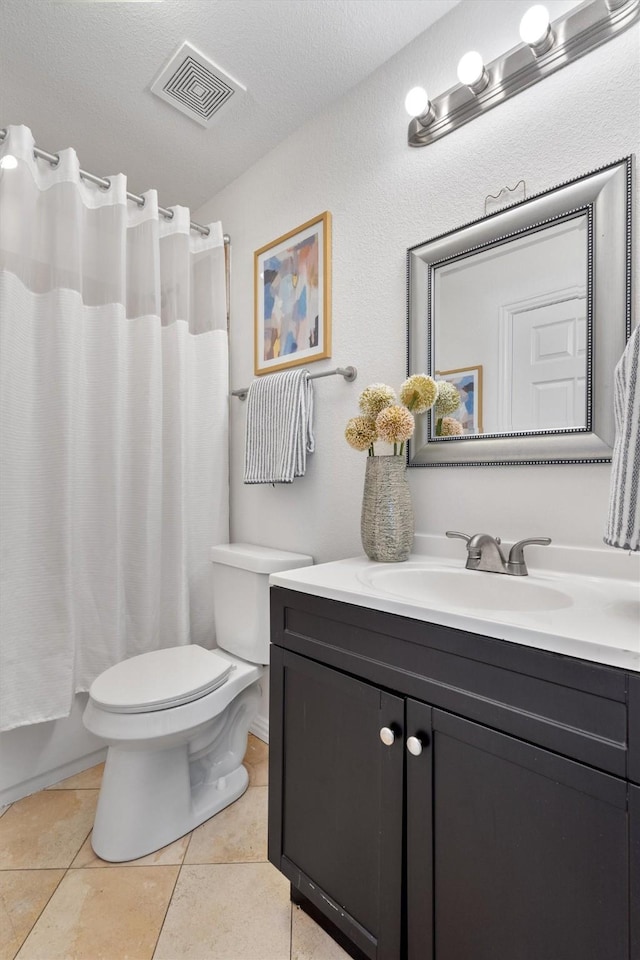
176,720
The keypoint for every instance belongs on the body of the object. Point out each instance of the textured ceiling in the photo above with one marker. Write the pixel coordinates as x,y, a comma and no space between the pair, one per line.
78,74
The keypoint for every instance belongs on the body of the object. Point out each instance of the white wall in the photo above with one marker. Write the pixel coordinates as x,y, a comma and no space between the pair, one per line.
385,196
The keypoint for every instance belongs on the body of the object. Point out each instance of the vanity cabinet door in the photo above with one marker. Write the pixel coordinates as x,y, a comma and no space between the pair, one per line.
336,800
530,850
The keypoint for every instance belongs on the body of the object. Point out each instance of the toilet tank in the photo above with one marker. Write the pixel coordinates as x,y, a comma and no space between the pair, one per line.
241,595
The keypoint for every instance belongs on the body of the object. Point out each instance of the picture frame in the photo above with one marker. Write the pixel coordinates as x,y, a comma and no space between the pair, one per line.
292,293
468,382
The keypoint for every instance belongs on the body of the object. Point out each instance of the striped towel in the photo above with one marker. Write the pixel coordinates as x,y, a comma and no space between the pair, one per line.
279,427
623,526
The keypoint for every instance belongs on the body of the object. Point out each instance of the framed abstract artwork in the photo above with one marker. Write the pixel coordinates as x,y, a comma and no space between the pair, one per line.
468,383
292,286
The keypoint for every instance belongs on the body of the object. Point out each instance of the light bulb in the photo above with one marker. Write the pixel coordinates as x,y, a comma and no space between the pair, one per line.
535,29
471,71
470,68
418,106
9,162
416,101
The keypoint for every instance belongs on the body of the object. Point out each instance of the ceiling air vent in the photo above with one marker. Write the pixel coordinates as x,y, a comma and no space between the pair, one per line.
195,85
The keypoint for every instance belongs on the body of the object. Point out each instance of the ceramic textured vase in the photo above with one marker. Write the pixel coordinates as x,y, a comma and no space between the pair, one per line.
386,525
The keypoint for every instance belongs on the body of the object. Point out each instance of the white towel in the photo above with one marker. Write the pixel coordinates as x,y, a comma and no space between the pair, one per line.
279,430
623,526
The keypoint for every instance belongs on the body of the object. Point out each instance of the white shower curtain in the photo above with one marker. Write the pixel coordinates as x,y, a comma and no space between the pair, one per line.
113,429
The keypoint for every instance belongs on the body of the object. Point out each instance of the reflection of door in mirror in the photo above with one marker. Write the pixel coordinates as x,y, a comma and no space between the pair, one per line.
544,351
519,309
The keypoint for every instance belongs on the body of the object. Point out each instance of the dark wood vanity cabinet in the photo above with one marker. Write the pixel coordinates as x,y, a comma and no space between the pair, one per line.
511,832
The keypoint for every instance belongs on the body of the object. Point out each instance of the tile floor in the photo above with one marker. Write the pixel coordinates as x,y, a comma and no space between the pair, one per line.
211,895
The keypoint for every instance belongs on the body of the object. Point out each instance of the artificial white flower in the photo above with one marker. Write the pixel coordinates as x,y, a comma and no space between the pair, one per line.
450,427
395,424
419,393
448,399
375,397
360,432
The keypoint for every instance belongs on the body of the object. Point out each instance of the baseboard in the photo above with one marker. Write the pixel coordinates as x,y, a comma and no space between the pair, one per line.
260,727
49,777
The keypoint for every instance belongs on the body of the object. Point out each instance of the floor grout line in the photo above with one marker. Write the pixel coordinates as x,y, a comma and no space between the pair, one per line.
166,913
129,865
290,930
55,789
44,907
62,866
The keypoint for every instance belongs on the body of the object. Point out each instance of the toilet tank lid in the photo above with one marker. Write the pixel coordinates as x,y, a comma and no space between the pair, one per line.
249,556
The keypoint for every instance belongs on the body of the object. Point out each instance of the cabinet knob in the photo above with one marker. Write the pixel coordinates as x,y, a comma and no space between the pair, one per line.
387,736
414,746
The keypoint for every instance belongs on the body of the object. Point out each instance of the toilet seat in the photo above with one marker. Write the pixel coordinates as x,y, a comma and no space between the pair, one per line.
160,679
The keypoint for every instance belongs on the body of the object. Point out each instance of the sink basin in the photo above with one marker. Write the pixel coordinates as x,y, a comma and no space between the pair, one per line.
461,589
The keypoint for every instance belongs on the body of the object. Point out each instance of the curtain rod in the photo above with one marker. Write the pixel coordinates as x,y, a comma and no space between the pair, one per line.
105,183
349,373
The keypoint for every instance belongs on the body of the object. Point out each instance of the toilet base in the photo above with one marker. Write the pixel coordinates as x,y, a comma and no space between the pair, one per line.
118,839
151,797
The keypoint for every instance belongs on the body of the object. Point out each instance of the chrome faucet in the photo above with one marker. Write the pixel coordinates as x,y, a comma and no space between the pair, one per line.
484,553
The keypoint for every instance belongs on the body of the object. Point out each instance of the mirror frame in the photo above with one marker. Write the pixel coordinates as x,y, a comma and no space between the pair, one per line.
605,196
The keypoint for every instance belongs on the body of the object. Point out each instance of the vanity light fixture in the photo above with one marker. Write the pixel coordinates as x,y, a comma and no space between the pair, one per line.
9,162
535,30
472,72
545,48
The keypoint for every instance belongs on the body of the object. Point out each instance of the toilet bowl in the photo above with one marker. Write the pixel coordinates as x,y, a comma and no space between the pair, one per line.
176,720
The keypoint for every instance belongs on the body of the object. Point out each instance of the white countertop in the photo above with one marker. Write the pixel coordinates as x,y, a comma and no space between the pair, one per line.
598,618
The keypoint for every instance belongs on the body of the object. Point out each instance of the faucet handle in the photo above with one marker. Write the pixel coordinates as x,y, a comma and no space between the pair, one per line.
460,536
516,554
465,536
476,542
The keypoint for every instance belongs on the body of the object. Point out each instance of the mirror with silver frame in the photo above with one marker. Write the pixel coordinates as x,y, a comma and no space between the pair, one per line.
526,311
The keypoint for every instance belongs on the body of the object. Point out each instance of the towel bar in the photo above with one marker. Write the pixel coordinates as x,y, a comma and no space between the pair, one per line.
349,373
